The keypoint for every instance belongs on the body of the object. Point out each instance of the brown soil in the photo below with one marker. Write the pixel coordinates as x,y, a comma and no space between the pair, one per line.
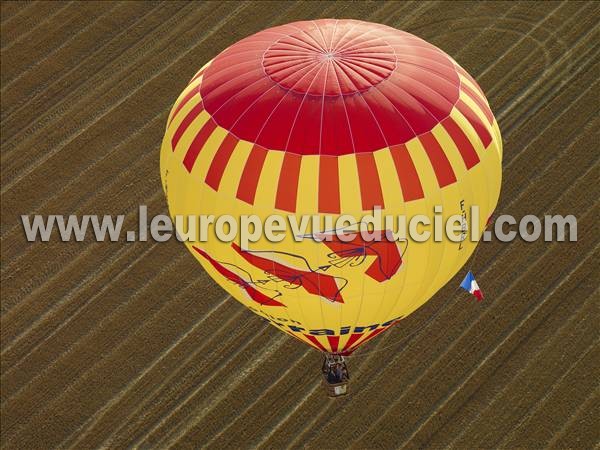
131,344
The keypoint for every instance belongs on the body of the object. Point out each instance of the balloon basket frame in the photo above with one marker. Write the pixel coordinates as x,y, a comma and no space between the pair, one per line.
335,375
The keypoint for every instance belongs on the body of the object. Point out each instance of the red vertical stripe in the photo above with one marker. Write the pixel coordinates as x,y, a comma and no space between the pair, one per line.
439,161
185,123
334,342
220,161
315,341
353,338
287,188
466,149
251,174
329,185
407,173
368,178
198,143
480,102
475,121
182,103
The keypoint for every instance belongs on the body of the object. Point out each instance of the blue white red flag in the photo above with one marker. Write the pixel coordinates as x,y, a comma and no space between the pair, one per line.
470,285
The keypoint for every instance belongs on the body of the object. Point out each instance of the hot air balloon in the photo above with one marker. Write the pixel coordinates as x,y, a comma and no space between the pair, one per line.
332,118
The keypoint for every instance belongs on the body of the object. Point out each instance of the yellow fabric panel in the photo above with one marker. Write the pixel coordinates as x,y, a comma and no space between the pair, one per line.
350,201
367,302
308,186
269,180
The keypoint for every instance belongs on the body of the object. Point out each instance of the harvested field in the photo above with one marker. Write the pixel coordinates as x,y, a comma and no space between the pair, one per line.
131,344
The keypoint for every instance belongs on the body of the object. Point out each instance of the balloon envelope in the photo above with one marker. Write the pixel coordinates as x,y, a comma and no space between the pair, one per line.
332,118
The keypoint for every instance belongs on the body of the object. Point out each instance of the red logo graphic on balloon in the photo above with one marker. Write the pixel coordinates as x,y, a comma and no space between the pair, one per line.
295,270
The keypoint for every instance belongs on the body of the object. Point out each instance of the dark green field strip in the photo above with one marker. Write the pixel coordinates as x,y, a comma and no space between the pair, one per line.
581,430
444,427
85,260
565,396
173,365
540,372
51,35
537,367
203,385
26,17
97,70
10,9
139,349
92,45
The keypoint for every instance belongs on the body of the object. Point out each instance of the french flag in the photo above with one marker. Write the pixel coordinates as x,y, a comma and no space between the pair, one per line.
470,285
